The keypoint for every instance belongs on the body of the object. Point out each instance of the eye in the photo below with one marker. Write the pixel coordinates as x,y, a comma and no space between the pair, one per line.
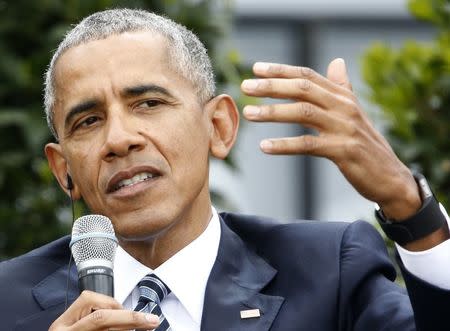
87,122
152,103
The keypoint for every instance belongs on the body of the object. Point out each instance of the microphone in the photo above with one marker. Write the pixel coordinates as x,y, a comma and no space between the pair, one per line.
93,247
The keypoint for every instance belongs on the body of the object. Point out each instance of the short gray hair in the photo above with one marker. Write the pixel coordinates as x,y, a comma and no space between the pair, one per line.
187,55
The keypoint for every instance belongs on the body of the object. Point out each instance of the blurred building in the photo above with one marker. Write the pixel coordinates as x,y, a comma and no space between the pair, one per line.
308,33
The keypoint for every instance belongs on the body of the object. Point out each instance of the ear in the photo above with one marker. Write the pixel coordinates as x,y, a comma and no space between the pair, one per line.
224,117
59,168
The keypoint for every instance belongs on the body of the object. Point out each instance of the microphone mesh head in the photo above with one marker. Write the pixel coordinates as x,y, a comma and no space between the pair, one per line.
93,238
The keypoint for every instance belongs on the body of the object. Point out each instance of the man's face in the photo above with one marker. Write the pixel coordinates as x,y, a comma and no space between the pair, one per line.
133,135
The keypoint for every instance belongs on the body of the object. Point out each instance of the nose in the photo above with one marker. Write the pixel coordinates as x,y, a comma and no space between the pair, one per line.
122,137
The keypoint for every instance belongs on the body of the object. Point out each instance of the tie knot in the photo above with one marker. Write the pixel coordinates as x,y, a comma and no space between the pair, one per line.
153,289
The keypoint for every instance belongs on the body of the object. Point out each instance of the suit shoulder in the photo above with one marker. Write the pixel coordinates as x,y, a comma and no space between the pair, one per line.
322,240
311,248
260,227
45,258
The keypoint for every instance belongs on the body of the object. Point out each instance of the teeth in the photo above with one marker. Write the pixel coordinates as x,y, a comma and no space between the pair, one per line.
134,180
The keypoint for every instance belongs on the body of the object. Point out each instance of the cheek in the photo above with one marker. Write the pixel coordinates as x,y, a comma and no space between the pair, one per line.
83,158
184,144
84,166
192,140
195,154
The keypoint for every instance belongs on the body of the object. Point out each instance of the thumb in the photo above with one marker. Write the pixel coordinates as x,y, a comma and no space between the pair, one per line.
337,73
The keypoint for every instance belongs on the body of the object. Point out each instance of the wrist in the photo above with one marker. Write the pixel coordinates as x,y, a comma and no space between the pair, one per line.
429,241
406,202
426,228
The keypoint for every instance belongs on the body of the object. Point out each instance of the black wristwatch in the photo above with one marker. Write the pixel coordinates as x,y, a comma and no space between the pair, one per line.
427,220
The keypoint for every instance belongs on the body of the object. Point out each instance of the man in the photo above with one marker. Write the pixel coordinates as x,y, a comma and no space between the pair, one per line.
130,99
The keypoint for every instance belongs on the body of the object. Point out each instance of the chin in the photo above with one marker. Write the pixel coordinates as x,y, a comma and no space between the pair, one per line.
138,235
138,229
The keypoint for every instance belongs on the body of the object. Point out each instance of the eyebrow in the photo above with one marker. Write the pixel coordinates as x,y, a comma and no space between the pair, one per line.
78,109
142,89
128,91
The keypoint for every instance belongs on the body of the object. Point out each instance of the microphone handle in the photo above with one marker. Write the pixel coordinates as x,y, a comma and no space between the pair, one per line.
97,279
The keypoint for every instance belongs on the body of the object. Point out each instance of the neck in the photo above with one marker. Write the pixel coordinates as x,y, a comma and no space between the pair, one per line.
189,226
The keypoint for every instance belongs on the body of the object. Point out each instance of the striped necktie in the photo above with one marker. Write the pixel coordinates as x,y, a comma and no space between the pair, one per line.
152,291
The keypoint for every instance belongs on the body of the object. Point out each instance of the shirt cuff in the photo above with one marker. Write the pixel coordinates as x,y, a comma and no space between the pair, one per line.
432,265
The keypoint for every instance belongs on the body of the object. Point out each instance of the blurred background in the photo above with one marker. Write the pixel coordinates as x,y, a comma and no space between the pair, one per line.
398,57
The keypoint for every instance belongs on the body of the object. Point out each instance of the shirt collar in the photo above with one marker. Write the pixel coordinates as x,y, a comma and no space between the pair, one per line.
186,273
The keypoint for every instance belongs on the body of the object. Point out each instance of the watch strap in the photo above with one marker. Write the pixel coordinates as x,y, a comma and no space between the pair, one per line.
427,220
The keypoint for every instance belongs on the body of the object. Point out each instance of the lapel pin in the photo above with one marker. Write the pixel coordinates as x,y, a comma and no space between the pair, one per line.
251,313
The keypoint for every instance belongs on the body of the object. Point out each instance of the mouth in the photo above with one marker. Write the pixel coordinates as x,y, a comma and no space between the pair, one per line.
130,178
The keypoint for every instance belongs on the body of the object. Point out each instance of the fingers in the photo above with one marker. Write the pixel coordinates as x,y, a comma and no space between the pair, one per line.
307,144
86,303
295,88
303,113
337,73
324,104
93,311
276,70
116,320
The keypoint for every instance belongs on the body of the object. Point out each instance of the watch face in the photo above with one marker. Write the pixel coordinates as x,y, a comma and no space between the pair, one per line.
376,206
425,190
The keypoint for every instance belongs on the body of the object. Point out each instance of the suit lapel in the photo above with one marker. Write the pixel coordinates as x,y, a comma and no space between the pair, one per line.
52,290
235,285
50,294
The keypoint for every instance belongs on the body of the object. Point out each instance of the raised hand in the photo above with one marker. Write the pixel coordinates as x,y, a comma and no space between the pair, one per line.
344,133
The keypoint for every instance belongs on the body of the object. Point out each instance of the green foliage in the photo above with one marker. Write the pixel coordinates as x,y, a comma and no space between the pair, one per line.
33,210
435,11
411,85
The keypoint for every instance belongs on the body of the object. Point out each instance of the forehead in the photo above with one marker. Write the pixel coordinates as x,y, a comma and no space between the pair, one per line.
128,47
100,69
118,60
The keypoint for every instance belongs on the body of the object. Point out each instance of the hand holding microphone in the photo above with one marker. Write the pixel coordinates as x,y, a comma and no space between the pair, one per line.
93,248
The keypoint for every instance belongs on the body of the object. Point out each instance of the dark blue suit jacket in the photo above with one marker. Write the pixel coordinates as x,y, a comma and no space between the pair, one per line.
301,276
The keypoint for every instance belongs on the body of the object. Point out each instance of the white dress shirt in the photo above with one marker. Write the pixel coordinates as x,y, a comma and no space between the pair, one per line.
432,265
187,272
